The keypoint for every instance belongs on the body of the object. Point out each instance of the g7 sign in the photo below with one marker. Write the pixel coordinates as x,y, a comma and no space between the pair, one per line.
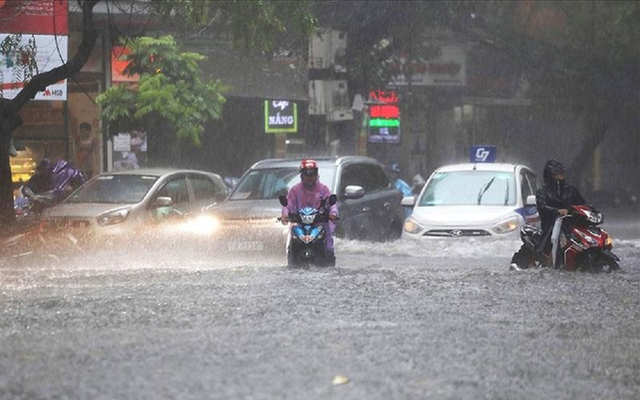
482,154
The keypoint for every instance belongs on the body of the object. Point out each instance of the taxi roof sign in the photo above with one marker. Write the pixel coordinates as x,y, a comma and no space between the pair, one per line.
482,154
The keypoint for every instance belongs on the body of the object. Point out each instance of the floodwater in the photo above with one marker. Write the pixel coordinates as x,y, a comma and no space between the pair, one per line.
441,319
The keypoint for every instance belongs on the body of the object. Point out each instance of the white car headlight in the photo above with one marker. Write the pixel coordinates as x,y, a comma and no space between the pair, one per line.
113,217
508,225
411,226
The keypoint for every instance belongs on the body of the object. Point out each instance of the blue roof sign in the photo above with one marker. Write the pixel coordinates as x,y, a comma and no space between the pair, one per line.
482,154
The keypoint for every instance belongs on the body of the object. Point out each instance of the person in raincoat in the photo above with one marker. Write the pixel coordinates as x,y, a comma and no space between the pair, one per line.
400,184
309,193
553,200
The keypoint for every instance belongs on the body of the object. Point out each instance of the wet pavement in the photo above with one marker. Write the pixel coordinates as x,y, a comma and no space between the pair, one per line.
441,319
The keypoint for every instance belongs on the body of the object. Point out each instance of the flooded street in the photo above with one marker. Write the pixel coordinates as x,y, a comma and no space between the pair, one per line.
443,319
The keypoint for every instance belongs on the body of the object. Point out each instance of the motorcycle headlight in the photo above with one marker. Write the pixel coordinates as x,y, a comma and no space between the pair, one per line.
411,226
308,219
608,242
508,225
113,217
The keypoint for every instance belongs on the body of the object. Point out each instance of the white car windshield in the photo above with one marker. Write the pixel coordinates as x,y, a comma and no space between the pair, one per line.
114,189
492,188
267,184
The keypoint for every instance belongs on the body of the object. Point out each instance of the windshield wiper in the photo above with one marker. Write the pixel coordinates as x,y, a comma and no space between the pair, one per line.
506,194
484,189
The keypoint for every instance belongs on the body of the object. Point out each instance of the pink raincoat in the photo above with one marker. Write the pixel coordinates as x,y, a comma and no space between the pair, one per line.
300,197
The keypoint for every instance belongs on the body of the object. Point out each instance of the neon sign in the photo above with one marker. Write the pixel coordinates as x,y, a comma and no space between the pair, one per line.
280,116
384,117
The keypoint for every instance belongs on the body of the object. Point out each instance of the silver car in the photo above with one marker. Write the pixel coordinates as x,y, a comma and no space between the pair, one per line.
368,203
119,202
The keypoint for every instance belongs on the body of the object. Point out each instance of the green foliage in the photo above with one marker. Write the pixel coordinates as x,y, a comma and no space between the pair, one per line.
253,24
171,92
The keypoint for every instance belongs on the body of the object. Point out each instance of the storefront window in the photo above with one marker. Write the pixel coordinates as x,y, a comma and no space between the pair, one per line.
42,135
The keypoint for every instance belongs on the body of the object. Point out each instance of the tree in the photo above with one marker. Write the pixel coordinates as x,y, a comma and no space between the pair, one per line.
253,24
170,97
581,56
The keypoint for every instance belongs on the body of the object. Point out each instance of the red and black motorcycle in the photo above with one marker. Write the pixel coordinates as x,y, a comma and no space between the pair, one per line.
583,245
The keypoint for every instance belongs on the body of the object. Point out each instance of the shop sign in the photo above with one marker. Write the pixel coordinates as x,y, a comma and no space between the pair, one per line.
280,116
51,53
437,66
384,117
122,142
119,63
37,17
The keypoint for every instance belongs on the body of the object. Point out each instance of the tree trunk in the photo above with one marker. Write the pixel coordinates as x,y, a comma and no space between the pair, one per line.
6,187
597,122
10,109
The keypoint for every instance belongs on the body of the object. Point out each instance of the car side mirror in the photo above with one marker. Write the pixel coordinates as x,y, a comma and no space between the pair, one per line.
283,200
162,201
353,192
408,201
530,200
333,199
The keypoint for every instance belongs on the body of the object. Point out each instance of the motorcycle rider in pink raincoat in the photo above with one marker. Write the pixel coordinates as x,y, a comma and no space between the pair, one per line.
309,193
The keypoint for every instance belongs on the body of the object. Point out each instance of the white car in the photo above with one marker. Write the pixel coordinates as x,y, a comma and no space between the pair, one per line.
474,200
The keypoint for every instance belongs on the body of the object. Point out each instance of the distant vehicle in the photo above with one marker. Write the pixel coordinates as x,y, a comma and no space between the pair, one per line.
369,205
474,200
118,202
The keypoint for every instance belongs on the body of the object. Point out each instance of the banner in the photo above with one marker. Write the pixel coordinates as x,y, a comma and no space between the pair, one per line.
51,53
39,17
436,66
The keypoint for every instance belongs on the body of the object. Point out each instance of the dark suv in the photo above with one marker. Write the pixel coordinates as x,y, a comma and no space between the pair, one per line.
369,204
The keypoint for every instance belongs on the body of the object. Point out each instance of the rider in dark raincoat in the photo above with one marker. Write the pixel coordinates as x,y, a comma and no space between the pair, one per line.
553,199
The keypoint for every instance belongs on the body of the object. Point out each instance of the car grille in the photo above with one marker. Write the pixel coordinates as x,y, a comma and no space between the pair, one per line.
250,222
68,223
457,232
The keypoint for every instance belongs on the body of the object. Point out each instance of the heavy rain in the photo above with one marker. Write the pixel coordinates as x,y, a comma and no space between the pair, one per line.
319,199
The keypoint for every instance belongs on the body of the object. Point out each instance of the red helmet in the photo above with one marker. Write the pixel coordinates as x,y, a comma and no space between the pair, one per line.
309,167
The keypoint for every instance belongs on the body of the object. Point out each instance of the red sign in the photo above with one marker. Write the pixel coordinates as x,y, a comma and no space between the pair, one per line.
387,111
388,97
45,17
119,63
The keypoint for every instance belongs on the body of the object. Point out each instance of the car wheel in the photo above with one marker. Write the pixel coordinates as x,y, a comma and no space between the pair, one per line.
394,232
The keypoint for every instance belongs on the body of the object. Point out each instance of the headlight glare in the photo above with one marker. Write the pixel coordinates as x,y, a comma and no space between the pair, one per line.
608,242
202,225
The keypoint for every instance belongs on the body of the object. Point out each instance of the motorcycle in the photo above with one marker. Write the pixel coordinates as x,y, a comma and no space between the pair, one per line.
306,243
64,178
583,246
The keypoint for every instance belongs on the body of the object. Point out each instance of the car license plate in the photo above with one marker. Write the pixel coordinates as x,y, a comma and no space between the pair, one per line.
245,246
